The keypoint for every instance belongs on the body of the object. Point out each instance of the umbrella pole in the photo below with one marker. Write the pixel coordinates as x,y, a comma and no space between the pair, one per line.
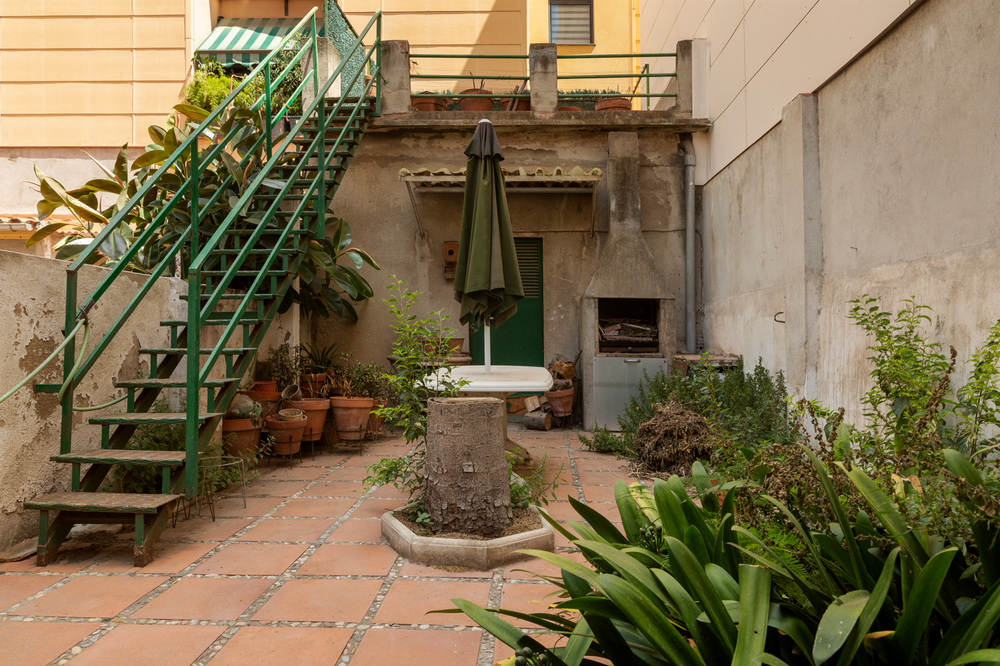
486,346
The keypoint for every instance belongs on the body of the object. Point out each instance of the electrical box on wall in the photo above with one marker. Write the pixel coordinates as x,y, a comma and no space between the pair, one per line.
450,257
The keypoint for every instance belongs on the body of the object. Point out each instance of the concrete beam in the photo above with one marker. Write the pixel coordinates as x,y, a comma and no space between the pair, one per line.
329,60
692,78
803,227
395,77
543,73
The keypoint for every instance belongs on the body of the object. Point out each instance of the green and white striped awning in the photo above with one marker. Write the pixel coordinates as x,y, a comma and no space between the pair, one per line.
245,41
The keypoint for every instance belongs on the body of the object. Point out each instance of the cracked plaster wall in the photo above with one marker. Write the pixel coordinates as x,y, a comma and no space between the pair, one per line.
32,312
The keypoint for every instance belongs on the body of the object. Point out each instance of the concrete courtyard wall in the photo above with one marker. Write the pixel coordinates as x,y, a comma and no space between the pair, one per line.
902,204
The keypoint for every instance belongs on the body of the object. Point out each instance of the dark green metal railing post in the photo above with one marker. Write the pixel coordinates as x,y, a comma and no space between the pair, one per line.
378,66
192,394
315,58
267,107
321,123
66,430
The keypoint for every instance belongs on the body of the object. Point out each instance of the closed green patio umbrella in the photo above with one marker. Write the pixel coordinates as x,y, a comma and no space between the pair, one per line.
487,279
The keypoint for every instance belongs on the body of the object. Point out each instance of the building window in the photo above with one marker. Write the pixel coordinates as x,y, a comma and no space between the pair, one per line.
571,21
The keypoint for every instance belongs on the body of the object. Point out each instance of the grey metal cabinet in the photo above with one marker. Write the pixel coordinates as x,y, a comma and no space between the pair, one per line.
615,381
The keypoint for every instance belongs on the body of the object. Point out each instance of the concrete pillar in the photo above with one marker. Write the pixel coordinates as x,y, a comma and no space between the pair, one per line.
543,73
395,77
329,61
803,227
692,77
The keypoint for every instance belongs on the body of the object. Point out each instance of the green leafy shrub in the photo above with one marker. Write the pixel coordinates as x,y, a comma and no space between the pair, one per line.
679,584
749,408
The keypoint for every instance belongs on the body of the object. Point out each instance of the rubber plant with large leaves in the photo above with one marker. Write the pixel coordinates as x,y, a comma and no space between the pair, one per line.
325,281
685,585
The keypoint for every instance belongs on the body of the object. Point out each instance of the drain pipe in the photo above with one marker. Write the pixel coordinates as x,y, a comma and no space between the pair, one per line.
690,342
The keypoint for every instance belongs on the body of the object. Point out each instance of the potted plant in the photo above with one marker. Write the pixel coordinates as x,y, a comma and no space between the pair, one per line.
370,381
351,410
617,103
241,427
287,431
476,103
283,366
429,103
315,364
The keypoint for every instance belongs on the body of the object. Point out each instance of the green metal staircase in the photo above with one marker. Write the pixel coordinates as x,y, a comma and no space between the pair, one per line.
247,260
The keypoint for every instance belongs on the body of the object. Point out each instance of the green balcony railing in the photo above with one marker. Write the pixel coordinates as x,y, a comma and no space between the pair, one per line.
636,79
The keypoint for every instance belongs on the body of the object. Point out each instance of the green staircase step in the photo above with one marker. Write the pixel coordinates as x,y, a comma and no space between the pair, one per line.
124,456
231,297
284,250
150,418
101,502
211,322
220,273
275,231
169,383
228,351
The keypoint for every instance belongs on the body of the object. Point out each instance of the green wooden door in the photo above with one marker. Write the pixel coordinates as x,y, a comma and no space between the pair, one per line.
521,339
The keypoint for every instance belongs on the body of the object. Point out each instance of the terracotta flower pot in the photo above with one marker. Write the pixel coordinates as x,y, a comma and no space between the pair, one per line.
266,385
614,104
240,437
268,400
523,104
312,383
374,421
287,435
315,411
476,103
570,108
430,103
561,402
351,416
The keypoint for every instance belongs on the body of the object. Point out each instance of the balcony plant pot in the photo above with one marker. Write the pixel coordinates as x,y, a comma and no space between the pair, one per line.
476,103
351,416
287,434
523,104
561,402
315,410
240,437
430,103
570,108
614,104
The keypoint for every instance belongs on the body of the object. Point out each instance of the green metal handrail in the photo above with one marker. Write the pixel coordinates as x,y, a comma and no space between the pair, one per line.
73,314
192,236
197,312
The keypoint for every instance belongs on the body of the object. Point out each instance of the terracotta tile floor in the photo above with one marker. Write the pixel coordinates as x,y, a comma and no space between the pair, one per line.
298,576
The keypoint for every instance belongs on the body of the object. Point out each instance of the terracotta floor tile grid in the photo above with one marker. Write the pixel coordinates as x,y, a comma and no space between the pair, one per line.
280,566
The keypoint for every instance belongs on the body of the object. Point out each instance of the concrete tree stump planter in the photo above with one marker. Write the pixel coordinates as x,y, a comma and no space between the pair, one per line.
467,488
476,554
